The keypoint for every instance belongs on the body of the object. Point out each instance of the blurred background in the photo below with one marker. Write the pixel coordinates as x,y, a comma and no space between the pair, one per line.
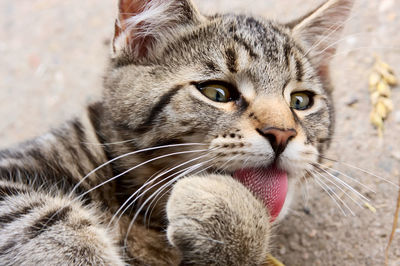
53,54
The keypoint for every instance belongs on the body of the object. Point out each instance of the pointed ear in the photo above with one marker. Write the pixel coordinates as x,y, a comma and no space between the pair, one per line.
142,24
319,31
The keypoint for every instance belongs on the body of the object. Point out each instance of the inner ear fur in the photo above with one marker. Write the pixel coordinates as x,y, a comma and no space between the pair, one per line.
319,30
143,24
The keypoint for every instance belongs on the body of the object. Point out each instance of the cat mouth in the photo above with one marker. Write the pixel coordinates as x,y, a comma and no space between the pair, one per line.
269,184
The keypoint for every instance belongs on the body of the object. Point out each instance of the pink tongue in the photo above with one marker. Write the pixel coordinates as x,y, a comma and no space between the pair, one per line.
268,184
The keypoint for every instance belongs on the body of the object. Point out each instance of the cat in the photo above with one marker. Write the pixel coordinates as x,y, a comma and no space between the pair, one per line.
205,129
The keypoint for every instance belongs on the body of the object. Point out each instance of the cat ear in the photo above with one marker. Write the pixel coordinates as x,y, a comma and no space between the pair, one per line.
142,24
320,30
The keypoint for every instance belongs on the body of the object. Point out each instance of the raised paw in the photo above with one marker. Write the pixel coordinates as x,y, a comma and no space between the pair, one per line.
215,220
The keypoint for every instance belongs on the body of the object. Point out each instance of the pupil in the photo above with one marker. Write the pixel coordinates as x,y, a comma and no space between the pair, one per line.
218,98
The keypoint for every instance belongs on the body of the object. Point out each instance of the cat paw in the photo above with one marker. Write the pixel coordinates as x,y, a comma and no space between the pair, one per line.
215,220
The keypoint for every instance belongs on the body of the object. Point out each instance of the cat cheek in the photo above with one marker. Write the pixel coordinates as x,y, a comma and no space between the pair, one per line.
298,157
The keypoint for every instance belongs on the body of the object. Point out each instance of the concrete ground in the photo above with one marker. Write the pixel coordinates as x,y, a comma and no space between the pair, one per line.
53,54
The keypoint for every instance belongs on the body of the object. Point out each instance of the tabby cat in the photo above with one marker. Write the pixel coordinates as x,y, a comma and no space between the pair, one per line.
206,127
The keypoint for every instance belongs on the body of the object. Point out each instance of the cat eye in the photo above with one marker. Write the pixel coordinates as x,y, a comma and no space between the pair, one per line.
218,91
301,100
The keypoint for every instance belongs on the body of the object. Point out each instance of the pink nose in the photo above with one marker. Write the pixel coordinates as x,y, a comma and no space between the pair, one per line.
278,138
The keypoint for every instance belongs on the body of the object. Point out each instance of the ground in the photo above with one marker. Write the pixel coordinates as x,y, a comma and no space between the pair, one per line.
53,55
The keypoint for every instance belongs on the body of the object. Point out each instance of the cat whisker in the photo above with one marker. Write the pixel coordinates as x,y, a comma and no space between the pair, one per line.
225,165
191,169
151,180
179,174
345,175
359,169
132,221
343,183
146,190
331,194
128,154
136,166
246,161
164,193
337,185
135,194
153,204
75,199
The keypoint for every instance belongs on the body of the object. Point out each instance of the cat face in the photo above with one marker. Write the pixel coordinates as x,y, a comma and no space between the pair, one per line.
255,92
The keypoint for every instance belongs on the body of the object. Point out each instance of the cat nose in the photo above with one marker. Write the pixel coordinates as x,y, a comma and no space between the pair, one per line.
278,138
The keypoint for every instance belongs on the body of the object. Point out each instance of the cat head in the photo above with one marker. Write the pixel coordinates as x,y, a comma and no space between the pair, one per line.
254,91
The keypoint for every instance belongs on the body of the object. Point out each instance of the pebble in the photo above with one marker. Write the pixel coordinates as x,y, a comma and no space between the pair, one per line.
306,210
352,101
386,5
313,233
396,155
397,117
282,250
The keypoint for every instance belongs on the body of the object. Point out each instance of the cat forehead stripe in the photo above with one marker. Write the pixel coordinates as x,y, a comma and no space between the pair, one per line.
231,60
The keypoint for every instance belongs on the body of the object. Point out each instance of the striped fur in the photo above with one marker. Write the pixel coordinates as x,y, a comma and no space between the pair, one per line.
52,212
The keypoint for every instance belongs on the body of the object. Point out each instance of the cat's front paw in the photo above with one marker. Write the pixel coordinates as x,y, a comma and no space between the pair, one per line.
215,220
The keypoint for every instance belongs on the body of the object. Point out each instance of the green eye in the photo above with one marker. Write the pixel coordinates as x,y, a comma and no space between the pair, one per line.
218,91
301,100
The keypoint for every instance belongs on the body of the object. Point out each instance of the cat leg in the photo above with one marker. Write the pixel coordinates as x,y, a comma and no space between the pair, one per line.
215,220
40,229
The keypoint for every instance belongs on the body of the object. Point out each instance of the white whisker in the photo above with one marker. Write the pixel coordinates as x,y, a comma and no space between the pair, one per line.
337,196
148,182
133,220
369,173
135,195
344,183
322,185
359,169
225,165
159,197
128,154
181,173
194,167
349,177
154,203
342,190
138,165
